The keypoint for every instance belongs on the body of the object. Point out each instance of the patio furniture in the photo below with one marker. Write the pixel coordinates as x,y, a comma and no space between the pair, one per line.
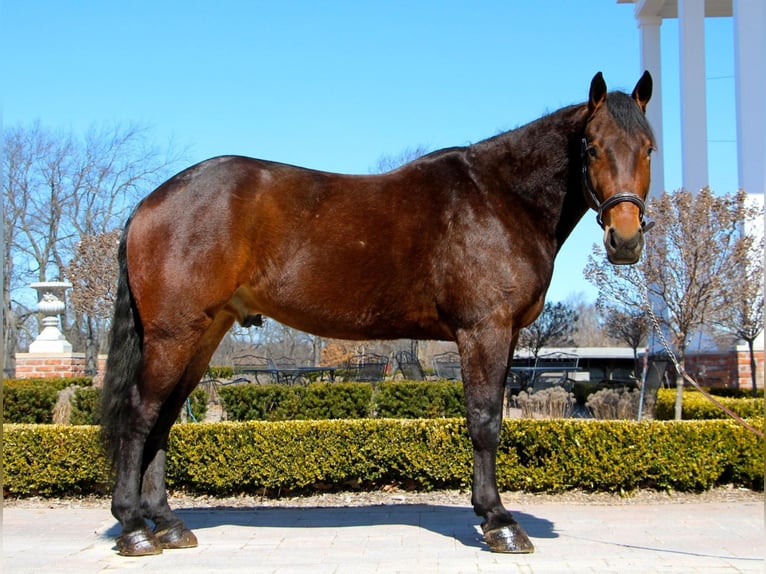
447,366
367,368
261,370
409,365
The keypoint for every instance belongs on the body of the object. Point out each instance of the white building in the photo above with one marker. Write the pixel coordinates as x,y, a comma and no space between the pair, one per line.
749,83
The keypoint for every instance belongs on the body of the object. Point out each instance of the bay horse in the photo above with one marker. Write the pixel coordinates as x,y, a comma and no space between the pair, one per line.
457,245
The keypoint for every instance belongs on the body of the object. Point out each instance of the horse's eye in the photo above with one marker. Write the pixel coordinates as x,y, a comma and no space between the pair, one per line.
649,152
592,151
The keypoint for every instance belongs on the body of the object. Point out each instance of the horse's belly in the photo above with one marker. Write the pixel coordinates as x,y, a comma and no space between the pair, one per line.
342,313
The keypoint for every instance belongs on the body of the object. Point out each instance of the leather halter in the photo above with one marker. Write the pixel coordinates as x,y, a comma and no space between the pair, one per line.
600,207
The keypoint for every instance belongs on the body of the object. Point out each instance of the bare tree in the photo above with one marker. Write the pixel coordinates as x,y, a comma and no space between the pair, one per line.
589,330
630,327
689,264
388,162
554,326
60,188
742,313
93,273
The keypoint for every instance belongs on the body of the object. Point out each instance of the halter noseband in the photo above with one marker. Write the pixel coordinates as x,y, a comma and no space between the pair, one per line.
601,207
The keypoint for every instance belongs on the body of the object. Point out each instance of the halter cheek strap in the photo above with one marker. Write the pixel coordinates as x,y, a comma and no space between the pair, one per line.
600,207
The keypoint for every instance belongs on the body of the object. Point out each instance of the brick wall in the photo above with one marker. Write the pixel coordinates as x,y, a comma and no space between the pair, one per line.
730,369
39,365
743,368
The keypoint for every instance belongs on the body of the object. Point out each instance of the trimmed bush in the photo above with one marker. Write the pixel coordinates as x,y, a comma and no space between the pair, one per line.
220,373
323,401
697,407
86,407
417,399
260,402
32,400
29,404
59,383
53,460
196,405
534,455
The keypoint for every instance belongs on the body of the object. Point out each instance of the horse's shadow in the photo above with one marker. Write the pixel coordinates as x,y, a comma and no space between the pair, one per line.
459,523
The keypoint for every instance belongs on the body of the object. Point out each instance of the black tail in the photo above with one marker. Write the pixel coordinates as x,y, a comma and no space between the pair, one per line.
123,362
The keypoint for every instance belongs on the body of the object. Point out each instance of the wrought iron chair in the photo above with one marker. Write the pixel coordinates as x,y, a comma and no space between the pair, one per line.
447,366
368,368
409,365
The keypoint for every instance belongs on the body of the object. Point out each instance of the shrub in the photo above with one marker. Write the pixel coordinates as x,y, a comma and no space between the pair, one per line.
395,399
32,400
551,403
417,399
534,455
195,406
59,383
86,407
697,407
29,404
219,373
53,460
741,393
322,401
614,404
260,402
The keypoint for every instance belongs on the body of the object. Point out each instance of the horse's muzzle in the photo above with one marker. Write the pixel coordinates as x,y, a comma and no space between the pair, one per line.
623,250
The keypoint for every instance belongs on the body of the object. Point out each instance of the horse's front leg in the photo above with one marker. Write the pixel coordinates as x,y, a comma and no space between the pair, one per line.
484,355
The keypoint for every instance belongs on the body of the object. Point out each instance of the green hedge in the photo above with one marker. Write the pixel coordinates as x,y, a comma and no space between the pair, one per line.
416,399
86,406
32,400
282,402
697,407
318,401
302,456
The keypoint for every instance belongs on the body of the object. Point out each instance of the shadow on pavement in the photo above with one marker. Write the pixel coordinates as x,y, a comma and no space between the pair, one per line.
449,521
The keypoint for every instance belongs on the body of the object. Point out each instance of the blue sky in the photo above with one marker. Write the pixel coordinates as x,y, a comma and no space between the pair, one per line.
335,85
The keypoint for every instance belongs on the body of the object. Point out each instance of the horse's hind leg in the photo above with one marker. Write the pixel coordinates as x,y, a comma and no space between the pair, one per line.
141,458
169,528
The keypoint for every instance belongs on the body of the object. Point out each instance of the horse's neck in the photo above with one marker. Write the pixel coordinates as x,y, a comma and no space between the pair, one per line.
538,166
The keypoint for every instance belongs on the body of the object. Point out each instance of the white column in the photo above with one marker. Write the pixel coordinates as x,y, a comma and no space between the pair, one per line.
691,25
750,86
651,60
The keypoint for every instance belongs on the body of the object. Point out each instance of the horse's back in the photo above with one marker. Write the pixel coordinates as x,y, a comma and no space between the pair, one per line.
320,251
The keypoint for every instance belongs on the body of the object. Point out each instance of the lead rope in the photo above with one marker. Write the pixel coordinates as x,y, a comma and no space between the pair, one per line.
679,369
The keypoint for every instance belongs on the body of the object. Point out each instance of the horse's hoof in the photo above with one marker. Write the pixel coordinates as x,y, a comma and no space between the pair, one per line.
176,537
510,539
138,543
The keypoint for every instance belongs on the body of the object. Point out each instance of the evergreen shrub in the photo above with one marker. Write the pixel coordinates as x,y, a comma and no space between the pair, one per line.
32,400
418,399
259,457
697,407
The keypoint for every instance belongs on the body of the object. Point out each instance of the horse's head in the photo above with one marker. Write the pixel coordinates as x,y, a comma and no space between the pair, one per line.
616,149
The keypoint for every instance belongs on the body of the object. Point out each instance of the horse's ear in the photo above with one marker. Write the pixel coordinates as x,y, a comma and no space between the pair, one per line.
643,90
597,92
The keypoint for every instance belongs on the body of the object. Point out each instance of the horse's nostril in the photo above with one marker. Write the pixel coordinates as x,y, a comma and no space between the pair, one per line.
612,241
